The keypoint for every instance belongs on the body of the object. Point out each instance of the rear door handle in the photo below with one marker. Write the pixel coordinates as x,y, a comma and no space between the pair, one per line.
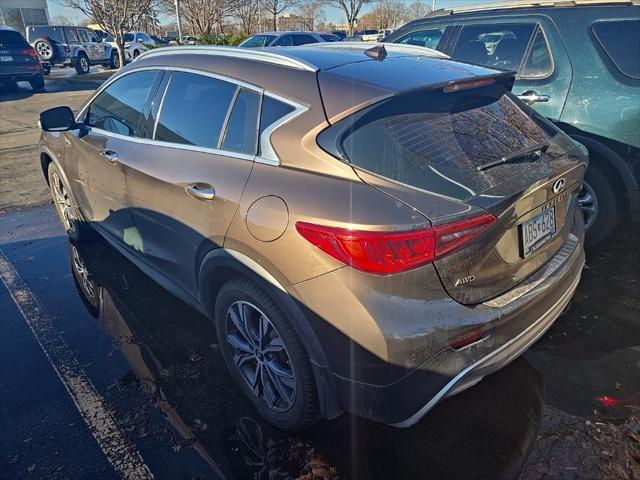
110,155
531,96
201,191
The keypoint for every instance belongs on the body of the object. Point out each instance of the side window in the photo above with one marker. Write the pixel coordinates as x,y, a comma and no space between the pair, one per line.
283,41
620,39
72,36
497,45
538,63
93,36
303,39
242,129
82,35
423,38
194,109
118,108
272,110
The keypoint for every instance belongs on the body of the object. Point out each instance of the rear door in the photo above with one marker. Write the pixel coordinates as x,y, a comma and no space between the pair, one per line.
184,184
527,44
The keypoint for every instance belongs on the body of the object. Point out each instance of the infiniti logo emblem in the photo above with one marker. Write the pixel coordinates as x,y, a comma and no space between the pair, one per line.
558,185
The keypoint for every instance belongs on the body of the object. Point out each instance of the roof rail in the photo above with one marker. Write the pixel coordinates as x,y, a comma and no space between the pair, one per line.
390,47
514,4
234,52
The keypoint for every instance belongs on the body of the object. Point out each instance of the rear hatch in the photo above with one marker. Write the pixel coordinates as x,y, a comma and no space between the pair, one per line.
16,55
461,150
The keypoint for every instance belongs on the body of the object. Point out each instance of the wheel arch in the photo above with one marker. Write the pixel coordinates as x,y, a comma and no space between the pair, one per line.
623,174
222,264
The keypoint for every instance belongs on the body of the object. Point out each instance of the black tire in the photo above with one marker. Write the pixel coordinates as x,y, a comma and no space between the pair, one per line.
303,409
114,61
46,69
608,210
37,84
81,64
44,48
68,213
136,54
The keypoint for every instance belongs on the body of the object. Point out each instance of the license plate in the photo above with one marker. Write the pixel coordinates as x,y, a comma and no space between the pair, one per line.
537,231
6,58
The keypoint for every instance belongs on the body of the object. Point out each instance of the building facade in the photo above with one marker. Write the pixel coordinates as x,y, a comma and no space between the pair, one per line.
21,13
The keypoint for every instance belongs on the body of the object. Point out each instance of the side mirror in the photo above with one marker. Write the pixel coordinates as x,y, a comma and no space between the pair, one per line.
58,119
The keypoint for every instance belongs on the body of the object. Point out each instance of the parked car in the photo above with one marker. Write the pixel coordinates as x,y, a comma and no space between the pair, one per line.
341,34
135,43
354,250
159,41
285,39
18,61
578,65
368,35
71,46
189,40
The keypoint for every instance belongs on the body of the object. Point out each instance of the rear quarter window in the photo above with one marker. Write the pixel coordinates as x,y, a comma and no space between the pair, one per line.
620,40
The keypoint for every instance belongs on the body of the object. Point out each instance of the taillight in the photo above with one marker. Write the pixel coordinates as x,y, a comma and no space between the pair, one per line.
392,252
30,51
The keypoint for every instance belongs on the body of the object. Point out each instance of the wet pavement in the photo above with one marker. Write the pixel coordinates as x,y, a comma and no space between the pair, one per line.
104,374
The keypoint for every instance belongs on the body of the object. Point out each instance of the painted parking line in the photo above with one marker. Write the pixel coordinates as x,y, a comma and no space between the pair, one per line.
123,456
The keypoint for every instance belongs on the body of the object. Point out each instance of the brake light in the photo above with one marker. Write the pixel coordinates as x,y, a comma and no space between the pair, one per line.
30,51
393,252
468,84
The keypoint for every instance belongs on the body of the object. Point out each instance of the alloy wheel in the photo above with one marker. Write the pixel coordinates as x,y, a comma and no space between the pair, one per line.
84,64
260,356
589,203
63,203
44,49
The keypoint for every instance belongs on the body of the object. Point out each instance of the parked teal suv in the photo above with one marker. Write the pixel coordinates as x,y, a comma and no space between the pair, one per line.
577,63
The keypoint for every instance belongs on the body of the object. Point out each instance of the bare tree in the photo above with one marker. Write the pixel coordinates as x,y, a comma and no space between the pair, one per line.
276,7
418,9
61,20
351,10
389,13
114,16
247,16
312,13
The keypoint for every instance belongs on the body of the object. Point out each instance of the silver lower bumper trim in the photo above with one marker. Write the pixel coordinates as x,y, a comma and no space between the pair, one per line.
498,358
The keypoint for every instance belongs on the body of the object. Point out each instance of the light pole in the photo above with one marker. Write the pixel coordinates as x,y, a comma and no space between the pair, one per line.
178,22
433,5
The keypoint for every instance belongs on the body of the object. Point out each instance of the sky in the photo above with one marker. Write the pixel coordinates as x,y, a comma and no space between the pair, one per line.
332,14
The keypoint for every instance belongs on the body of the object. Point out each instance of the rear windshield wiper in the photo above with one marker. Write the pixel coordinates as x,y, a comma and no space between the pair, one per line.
534,151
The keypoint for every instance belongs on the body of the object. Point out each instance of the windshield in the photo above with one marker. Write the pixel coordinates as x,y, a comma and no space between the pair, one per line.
257,41
128,37
436,141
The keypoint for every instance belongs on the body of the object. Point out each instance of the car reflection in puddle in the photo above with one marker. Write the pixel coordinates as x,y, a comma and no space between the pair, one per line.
177,370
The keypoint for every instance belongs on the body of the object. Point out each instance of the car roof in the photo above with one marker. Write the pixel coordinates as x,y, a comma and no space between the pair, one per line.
8,29
519,4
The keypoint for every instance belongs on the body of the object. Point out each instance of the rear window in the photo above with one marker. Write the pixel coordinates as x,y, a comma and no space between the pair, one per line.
11,39
620,40
435,141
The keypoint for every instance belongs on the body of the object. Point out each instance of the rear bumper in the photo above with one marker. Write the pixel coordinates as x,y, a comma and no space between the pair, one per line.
519,318
21,75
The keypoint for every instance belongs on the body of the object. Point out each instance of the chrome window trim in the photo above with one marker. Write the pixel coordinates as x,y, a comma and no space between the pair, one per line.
234,52
267,155
164,94
179,146
225,123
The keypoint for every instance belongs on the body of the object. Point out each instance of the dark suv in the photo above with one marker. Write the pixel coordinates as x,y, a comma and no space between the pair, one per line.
18,61
578,65
79,47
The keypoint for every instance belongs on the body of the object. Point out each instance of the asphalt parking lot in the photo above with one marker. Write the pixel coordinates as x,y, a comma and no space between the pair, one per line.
106,375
